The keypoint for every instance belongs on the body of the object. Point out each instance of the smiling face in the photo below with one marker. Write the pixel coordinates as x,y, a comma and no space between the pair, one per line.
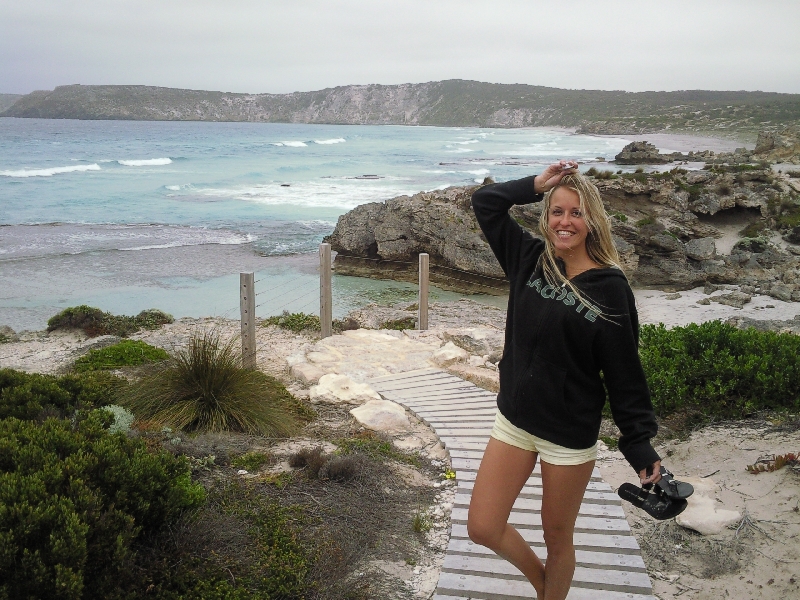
567,228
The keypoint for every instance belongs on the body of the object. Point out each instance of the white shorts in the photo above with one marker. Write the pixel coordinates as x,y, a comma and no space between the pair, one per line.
549,452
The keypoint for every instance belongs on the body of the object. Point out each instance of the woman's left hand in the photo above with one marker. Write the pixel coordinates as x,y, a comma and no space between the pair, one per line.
655,474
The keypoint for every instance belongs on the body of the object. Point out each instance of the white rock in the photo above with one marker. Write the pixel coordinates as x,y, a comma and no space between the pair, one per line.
294,359
476,361
449,354
382,415
702,514
305,372
336,389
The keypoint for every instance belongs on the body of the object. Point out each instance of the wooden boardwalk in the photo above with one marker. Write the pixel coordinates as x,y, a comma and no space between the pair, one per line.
461,414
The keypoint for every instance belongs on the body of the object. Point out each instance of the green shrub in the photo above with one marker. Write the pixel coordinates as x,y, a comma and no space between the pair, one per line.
75,499
374,446
94,321
296,322
605,175
30,396
204,388
126,353
718,371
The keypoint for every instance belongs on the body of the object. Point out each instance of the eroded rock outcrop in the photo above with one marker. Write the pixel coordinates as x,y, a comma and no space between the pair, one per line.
674,230
779,146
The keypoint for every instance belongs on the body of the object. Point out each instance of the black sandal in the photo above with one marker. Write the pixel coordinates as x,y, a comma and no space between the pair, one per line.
656,503
677,490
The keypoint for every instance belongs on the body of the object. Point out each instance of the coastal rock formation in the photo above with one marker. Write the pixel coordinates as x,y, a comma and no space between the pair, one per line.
641,153
674,230
779,146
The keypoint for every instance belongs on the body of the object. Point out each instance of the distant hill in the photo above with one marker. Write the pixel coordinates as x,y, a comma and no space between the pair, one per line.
445,103
6,100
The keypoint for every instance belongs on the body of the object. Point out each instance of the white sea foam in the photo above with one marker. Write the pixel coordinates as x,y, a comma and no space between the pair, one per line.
290,144
479,172
178,188
460,150
148,162
331,141
50,172
343,194
467,142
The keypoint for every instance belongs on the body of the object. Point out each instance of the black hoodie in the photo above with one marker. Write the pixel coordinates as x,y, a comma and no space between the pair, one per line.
556,346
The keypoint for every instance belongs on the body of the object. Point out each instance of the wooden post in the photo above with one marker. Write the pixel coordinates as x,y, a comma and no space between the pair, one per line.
247,306
325,295
422,316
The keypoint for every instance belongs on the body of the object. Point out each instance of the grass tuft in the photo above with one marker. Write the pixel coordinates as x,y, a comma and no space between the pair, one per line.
203,388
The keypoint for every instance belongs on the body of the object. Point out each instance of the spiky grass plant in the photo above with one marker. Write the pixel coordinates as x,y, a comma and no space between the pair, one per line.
203,388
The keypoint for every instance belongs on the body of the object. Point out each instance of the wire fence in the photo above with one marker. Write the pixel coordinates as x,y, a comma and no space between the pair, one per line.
301,294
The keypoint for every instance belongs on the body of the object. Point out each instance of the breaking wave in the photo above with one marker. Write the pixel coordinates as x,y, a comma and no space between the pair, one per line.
148,162
331,141
50,172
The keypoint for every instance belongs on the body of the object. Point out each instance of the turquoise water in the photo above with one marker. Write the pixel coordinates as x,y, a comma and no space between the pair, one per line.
129,215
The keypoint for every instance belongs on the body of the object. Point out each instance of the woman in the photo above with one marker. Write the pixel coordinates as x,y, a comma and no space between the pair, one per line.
571,316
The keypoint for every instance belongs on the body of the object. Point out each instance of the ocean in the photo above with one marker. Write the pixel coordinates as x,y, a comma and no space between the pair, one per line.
129,215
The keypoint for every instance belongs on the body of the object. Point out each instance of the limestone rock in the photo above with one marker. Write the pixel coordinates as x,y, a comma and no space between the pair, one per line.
382,415
337,389
307,373
701,249
703,514
735,299
779,146
480,376
449,354
478,340
640,153
781,291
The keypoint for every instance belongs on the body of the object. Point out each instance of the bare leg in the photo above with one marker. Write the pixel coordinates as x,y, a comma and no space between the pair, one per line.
564,487
503,471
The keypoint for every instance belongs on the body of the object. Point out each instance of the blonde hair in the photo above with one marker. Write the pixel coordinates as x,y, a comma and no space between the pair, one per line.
599,243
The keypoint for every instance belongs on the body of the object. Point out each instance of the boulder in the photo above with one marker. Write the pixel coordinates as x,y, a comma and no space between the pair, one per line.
641,153
337,389
701,249
306,373
481,341
779,146
449,354
781,291
704,514
666,243
382,415
735,299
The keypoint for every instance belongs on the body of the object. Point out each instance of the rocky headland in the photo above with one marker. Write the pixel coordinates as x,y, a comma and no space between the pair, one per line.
675,229
441,103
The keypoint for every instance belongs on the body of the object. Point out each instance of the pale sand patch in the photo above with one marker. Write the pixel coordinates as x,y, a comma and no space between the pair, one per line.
762,560
654,308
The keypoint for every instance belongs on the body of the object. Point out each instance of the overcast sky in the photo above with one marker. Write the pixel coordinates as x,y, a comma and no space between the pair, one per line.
299,45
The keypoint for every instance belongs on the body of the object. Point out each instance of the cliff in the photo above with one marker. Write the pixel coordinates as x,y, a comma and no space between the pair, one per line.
676,230
442,103
8,100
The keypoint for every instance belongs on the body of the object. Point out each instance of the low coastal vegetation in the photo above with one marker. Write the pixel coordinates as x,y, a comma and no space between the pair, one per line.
95,322
102,507
126,353
714,371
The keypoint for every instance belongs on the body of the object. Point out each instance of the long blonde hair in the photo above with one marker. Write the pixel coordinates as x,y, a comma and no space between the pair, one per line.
599,243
